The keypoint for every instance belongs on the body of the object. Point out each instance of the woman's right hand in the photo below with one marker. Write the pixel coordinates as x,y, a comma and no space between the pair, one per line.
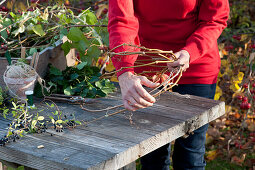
134,96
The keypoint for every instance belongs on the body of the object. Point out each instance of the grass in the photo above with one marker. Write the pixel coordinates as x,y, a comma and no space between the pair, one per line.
218,164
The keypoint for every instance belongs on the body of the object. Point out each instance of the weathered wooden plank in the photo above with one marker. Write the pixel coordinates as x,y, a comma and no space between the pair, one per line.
113,142
57,151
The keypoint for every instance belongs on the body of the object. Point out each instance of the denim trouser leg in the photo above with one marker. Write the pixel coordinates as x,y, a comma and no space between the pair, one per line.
158,159
188,152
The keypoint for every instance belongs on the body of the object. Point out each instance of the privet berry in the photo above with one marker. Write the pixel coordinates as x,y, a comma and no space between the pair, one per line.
239,97
245,99
245,86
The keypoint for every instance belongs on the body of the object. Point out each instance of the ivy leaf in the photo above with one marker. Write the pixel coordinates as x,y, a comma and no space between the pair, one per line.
45,15
34,122
101,93
74,76
40,118
81,46
81,65
75,34
21,29
55,71
59,121
84,92
91,18
98,84
78,122
63,31
13,15
94,79
38,30
32,51
66,47
68,91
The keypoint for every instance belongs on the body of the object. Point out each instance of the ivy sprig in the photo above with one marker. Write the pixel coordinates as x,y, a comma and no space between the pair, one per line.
81,80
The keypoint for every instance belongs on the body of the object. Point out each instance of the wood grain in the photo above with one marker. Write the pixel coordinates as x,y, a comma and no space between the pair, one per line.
115,141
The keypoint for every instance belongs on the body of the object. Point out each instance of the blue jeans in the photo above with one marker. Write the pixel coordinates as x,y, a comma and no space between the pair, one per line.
188,152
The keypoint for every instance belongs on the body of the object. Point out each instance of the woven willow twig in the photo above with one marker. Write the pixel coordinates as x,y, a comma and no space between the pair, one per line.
156,57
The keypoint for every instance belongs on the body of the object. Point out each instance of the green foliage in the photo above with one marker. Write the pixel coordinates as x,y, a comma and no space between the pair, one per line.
82,80
1,96
39,28
223,165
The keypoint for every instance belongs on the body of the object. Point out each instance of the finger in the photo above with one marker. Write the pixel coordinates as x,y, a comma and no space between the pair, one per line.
133,103
174,64
128,106
147,82
146,98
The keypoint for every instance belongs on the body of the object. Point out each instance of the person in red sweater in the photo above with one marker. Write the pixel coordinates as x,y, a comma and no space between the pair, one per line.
188,27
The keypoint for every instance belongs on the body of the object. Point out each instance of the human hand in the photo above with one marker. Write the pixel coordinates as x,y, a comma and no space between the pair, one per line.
134,96
183,60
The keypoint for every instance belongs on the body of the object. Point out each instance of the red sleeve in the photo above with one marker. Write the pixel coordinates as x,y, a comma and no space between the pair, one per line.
212,19
123,28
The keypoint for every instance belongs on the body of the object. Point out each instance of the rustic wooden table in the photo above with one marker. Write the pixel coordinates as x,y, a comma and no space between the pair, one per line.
114,141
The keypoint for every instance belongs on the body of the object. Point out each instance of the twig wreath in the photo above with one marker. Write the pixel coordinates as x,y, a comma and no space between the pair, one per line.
156,57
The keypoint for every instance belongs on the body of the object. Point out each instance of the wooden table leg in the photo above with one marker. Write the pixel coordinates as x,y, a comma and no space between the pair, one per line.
131,166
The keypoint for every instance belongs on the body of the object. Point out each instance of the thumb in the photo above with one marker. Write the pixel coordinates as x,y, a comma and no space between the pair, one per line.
175,63
148,83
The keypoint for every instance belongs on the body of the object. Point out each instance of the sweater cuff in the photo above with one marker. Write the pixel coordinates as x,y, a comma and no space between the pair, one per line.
193,51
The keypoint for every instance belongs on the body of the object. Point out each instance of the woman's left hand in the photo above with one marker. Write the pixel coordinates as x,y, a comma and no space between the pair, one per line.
183,60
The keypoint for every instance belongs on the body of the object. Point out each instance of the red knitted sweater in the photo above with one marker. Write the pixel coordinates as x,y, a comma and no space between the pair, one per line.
192,25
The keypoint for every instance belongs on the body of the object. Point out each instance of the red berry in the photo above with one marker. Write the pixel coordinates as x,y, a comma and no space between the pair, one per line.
253,84
252,46
5,9
245,86
96,7
105,11
253,140
252,134
229,22
237,37
251,91
237,145
239,97
245,99
242,106
100,61
247,106
229,47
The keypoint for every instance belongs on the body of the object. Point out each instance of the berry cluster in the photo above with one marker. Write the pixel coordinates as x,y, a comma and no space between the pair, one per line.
3,47
4,9
245,105
58,127
42,128
5,139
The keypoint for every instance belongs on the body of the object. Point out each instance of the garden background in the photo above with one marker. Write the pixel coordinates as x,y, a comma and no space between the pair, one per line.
230,139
